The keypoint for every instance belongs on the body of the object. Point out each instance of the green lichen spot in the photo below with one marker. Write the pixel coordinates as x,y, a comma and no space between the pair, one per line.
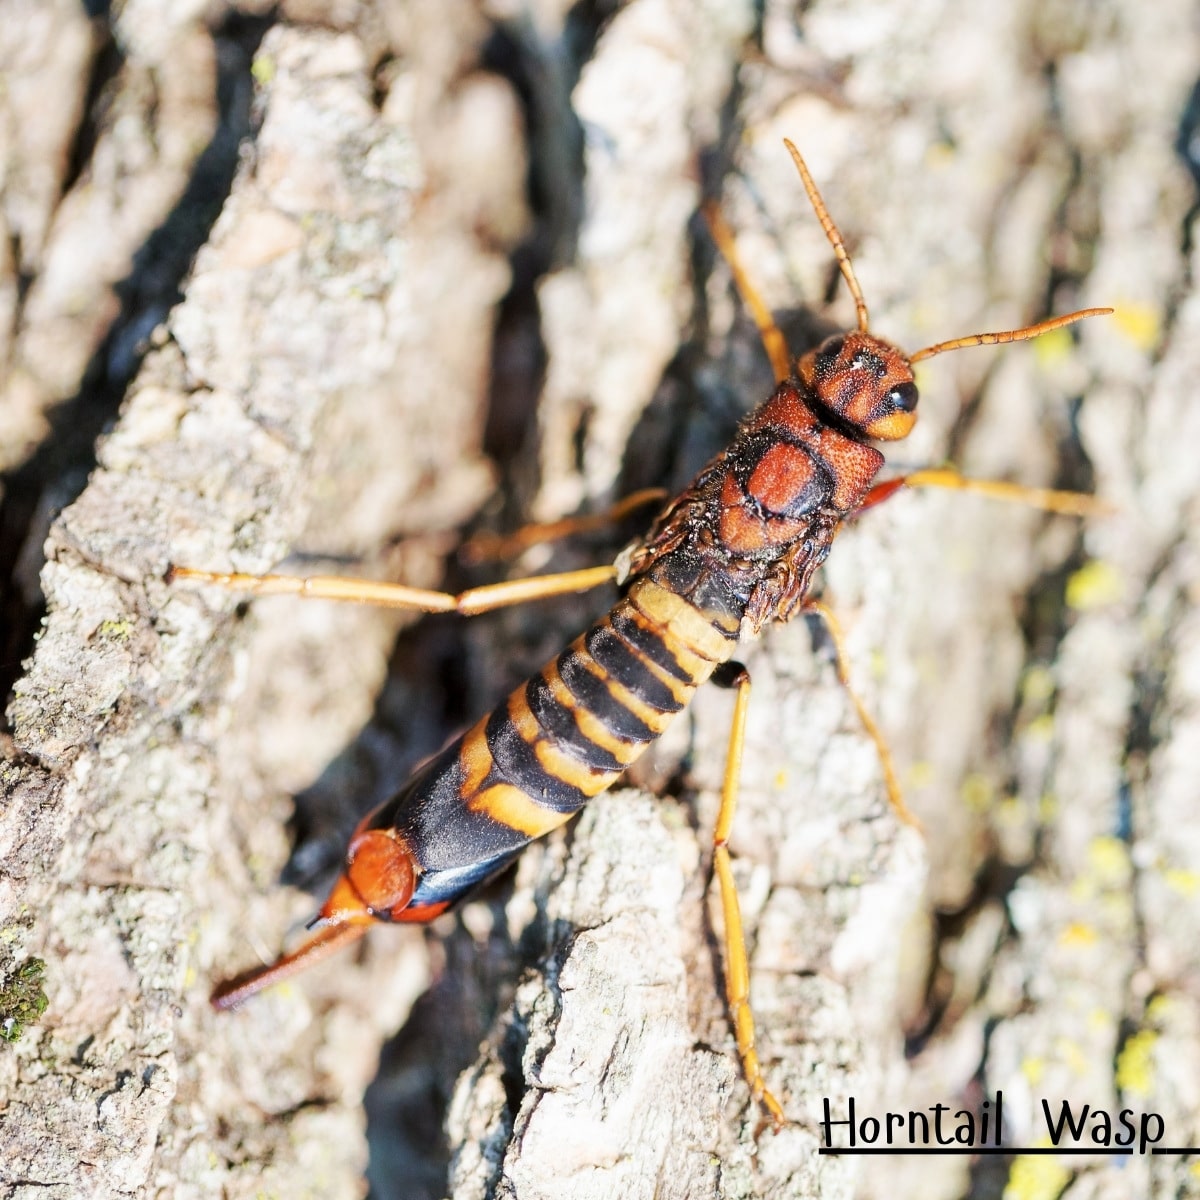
22,999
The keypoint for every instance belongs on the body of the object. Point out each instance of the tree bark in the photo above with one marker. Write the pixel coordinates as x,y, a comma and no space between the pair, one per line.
324,390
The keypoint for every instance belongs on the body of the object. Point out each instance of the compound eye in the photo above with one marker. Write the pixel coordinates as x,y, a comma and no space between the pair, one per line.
903,397
895,414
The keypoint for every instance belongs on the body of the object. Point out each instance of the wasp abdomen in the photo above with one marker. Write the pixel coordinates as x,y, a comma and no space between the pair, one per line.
558,740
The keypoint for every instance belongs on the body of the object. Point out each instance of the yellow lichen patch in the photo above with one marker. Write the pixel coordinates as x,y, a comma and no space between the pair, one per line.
1073,1056
939,155
1160,1009
1095,585
1083,889
1135,1064
1108,861
1140,323
1078,934
263,69
1012,813
1041,729
1054,348
1036,1177
1037,685
1178,879
1116,912
919,775
977,793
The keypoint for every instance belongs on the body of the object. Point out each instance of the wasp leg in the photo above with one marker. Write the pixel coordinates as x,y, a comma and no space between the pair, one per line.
737,965
493,547
1074,504
891,782
772,337
397,595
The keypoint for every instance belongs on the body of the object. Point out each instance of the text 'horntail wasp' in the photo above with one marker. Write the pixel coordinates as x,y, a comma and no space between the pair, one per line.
736,550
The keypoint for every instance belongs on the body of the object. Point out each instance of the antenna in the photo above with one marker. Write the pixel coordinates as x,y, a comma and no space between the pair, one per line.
832,233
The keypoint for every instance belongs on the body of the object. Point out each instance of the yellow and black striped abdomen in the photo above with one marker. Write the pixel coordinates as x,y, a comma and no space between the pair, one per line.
559,739
615,689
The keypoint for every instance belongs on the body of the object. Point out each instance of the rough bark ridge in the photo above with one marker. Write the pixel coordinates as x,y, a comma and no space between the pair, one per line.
323,388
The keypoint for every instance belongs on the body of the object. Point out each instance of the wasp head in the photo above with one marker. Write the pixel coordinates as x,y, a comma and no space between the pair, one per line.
864,380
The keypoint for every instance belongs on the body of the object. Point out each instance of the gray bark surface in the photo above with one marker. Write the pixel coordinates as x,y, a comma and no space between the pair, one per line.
338,384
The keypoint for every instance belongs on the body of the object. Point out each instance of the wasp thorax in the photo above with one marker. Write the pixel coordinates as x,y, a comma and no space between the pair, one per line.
865,381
